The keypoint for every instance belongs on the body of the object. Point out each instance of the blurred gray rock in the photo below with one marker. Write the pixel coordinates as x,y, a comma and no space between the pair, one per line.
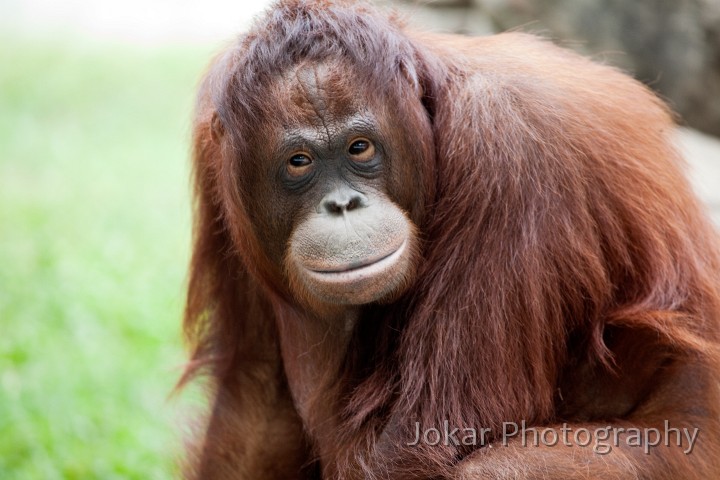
672,45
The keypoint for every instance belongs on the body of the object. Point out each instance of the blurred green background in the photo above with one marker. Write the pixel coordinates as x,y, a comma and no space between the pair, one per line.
94,241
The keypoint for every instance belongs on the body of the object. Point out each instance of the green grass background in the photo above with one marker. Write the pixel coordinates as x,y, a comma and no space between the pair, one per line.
94,242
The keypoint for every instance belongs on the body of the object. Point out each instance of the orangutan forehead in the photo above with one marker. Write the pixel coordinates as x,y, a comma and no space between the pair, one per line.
318,93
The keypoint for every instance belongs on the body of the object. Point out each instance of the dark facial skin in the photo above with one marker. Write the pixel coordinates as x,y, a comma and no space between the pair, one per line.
333,226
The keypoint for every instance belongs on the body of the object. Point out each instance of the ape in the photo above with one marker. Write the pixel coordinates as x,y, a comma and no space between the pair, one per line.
401,233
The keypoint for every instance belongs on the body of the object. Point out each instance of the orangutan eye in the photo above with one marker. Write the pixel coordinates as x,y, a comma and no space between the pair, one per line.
361,149
300,160
298,164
